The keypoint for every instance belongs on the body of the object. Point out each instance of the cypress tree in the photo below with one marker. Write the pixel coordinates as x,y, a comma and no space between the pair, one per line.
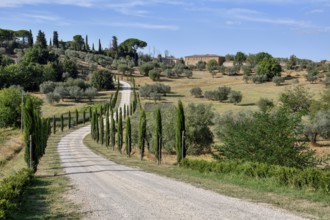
101,129
30,39
90,113
180,133
77,117
100,47
158,136
128,137
54,125
93,48
131,109
84,116
62,122
120,131
69,120
117,116
124,111
142,133
107,130
97,129
55,39
112,131
28,130
86,43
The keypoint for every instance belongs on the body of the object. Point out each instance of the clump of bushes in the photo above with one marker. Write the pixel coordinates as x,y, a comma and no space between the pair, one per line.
223,94
11,189
75,89
154,91
310,178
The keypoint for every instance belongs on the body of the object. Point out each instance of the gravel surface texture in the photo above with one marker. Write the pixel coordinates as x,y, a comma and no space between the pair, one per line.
106,190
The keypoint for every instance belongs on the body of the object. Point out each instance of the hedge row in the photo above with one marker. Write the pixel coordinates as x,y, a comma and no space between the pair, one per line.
311,178
11,189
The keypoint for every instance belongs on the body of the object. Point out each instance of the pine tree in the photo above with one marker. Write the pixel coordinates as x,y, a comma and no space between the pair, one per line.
142,133
62,122
120,131
54,125
107,129
180,133
158,136
55,39
101,129
69,120
128,137
112,131
77,117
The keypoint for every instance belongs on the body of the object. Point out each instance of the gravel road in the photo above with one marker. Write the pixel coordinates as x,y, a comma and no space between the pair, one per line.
107,190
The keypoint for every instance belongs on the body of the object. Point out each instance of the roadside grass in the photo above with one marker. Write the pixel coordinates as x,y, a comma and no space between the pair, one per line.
11,155
46,198
301,202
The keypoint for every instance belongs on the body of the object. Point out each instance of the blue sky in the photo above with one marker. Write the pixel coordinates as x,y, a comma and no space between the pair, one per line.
184,27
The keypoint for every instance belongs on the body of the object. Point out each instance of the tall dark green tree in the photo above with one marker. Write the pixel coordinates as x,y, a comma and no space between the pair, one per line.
86,43
120,131
101,124
55,39
180,133
100,47
54,124
128,137
142,133
30,39
107,129
158,136
69,120
28,118
62,122
41,39
97,127
112,131
114,47
77,117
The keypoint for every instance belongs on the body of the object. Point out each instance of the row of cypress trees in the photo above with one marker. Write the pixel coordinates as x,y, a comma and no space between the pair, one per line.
36,131
111,136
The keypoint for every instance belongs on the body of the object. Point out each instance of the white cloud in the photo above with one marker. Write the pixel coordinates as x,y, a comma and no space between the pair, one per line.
19,3
316,11
41,17
144,26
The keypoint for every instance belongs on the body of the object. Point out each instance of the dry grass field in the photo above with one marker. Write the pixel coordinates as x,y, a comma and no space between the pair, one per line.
251,92
181,87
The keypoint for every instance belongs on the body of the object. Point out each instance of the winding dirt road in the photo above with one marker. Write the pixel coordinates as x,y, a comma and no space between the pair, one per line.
107,190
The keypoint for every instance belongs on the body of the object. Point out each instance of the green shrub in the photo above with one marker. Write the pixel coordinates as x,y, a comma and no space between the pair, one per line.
310,178
11,189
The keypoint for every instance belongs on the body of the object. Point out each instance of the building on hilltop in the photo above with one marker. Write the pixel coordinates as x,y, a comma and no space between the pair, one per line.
193,60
